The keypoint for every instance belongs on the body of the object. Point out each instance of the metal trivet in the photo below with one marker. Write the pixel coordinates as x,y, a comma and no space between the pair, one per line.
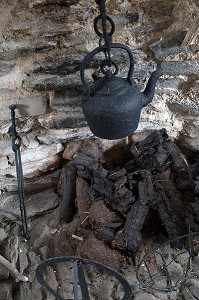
16,144
79,278
158,269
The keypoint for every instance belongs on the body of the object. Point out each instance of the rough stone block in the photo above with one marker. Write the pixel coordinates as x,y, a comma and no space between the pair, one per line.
71,98
3,162
168,46
33,185
147,28
42,152
64,135
12,50
63,64
168,85
59,2
54,83
5,91
4,127
63,119
35,204
37,154
144,296
5,68
5,147
6,290
71,149
186,67
35,168
26,107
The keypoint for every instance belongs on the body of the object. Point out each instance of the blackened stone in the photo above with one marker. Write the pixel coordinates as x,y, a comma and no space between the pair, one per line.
58,2
54,83
21,49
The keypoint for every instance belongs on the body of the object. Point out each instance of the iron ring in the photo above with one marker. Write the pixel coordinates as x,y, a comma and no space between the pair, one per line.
96,27
105,63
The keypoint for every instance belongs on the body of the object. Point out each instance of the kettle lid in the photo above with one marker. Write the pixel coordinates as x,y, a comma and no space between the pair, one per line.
109,85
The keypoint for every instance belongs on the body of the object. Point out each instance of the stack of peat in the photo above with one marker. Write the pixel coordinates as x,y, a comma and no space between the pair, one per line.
114,202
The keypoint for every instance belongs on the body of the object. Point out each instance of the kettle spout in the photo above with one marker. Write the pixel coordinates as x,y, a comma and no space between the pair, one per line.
150,88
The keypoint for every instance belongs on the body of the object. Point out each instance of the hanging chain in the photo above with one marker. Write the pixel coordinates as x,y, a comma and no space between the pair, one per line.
105,35
107,66
16,143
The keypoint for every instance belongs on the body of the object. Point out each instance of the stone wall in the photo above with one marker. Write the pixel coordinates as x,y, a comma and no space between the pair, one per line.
42,45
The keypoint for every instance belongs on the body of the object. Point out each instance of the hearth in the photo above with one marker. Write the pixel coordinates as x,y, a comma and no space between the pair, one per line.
115,203
112,205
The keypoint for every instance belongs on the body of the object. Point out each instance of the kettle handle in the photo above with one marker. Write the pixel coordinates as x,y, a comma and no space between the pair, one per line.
90,55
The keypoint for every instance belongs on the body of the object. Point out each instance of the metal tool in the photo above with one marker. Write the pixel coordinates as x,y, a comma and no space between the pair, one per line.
16,143
79,276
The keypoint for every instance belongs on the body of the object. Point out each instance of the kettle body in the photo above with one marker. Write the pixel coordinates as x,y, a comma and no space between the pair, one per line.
110,108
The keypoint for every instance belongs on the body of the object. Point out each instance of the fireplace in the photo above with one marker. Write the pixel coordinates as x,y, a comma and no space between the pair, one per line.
150,187
42,46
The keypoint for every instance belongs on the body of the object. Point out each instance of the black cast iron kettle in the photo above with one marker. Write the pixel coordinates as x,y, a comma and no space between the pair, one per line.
112,105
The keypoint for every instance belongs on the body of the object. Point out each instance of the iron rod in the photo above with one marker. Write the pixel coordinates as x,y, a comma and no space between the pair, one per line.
16,143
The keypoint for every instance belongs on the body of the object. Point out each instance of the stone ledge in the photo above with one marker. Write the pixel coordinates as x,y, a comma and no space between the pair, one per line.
41,152
26,107
63,99
12,50
54,2
64,135
34,169
35,204
63,119
32,185
54,83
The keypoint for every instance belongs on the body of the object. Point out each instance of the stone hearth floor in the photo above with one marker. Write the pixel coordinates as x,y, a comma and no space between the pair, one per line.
49,238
